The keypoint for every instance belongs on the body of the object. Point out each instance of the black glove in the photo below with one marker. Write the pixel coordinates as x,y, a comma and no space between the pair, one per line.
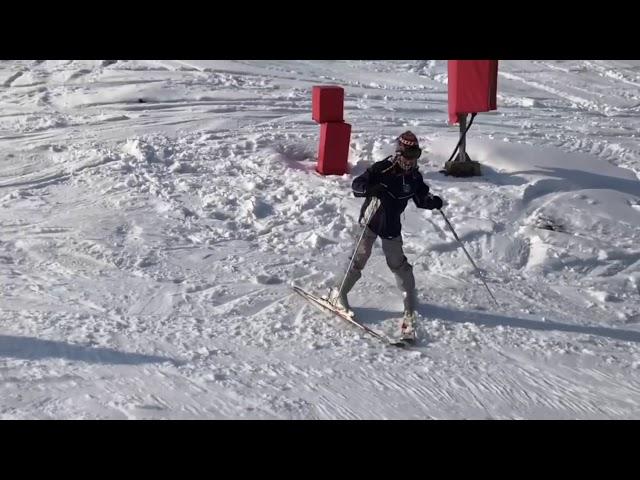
434,202
375,190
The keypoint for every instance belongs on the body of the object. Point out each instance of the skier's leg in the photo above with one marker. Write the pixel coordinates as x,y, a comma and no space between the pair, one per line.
403,271
397,262
362,254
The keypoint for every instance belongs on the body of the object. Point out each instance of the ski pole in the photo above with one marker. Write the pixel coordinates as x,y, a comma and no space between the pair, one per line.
372,209
468,256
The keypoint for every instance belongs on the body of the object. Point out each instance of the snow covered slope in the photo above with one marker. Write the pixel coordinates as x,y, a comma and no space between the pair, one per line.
154,213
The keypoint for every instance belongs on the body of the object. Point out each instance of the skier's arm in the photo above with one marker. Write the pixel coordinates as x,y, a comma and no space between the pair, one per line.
367,184
424,199
359,184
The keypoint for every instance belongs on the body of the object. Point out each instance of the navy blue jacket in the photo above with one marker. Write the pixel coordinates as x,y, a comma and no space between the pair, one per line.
399,186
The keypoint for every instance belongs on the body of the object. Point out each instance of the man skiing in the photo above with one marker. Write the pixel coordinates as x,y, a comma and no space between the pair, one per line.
393,181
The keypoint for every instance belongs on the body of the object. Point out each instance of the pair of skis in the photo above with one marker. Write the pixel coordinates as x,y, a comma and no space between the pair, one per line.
324,304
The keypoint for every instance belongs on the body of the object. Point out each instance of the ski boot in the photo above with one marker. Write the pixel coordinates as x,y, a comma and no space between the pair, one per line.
339,300
408,326
338,296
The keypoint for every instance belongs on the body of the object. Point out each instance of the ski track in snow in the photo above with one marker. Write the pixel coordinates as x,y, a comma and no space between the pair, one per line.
154,214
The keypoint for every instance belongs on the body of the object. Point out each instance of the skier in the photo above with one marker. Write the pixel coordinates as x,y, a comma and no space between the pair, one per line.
393,181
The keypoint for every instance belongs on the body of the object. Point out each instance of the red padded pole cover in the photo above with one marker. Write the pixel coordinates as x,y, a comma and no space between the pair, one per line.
334,148
473,86
327,103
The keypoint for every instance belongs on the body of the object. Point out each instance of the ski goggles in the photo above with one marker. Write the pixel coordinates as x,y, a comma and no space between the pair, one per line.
412,153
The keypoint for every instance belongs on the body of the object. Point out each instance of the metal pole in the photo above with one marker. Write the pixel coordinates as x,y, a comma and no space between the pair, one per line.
462,156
